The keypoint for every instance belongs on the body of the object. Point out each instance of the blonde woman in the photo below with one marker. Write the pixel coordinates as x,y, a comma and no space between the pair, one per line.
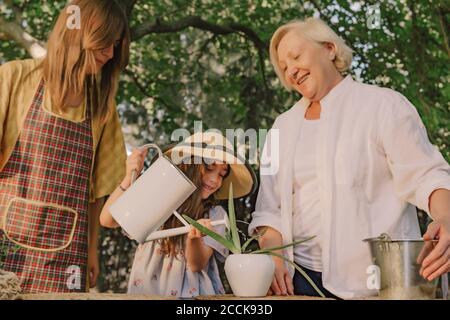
354,161
62,149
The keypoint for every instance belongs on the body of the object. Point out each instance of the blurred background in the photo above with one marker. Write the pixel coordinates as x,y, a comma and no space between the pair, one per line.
207,60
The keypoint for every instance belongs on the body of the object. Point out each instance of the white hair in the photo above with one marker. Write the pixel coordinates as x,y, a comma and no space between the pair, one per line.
314,29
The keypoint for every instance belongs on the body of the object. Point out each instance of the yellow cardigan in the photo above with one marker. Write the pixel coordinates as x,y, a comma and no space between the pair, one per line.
18,84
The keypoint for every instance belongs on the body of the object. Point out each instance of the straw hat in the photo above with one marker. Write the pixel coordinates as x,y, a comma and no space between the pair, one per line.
210,147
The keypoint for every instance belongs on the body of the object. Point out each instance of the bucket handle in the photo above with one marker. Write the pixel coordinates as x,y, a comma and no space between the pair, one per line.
134,173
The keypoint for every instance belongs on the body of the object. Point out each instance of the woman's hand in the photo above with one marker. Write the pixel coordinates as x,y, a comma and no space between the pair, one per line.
438,261
282,282
194,233
93,267
135,162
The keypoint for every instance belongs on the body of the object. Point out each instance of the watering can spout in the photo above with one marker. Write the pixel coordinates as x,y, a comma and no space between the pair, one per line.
160,234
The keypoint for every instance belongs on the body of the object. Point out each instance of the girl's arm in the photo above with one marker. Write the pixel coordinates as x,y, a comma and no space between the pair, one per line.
197,254
134,162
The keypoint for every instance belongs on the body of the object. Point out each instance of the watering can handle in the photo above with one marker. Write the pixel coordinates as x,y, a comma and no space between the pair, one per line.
145,146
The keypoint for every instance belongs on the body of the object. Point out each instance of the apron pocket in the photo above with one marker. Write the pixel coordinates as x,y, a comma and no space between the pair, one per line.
39,226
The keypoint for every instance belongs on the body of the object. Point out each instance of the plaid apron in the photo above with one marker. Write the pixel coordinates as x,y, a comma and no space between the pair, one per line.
44,197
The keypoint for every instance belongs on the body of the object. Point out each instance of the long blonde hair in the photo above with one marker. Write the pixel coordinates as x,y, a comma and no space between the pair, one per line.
71,54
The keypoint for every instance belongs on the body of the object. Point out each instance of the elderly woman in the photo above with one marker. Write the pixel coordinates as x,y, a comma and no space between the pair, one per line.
355,160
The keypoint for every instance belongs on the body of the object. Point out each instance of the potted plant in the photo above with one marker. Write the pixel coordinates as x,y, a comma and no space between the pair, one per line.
249,273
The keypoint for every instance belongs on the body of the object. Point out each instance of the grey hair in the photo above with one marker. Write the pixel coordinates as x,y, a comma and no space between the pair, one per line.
316,30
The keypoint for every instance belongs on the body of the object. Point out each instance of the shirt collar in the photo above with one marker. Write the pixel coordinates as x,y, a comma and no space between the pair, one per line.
338,91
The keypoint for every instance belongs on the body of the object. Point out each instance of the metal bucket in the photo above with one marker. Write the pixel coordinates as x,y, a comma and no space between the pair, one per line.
399,263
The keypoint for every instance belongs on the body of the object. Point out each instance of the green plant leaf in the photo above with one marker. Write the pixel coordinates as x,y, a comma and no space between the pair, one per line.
246,243
226,243
302,272
293,244
253,238
232,218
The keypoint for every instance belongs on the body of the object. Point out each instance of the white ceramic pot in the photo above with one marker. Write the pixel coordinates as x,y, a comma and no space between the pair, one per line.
249,275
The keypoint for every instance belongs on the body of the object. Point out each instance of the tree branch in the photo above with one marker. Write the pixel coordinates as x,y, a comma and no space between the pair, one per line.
198,23
15,9
443,27
144,90
3,36
128,6
13,31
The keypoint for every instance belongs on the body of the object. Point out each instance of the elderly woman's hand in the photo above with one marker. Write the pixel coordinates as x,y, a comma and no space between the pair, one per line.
282,281
438,261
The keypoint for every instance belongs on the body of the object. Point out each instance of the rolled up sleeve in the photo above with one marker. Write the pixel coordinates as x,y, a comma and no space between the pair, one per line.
5,93
268,203
220,251
417,166
110,159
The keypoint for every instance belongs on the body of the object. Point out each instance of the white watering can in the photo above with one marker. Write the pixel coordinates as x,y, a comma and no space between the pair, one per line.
152,199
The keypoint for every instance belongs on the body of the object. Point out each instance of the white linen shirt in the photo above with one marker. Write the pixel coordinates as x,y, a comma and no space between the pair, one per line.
374,164
306,210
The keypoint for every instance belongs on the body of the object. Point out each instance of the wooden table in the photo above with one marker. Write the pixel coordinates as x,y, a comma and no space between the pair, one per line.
118,296
121,296
233,297
91,296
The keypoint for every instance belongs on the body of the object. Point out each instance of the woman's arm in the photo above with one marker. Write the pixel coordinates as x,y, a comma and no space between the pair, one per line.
417,166
421,177
197,254
438,261
5,92
93,263
106,219
134,162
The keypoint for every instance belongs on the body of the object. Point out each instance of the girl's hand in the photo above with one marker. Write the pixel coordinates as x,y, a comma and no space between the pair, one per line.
135,161
194,233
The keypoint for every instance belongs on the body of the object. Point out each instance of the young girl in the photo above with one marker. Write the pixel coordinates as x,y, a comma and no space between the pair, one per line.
185,266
